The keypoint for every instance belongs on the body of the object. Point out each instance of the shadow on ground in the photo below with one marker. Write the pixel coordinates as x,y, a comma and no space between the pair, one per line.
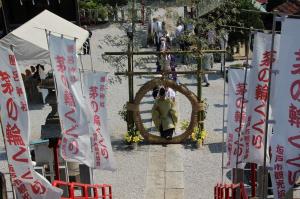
35,106
120,145
215,147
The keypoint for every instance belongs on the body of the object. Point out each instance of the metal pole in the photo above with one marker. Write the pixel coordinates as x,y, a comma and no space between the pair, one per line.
243,99
265,182
56,159
223,117
252,165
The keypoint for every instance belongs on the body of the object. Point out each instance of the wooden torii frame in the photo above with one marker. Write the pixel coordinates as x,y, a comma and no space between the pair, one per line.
131,73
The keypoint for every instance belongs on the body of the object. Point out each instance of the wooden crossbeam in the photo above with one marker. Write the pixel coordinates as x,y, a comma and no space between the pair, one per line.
167,72
162,53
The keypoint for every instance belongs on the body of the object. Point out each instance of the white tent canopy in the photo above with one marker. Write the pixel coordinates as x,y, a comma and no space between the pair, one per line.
29,40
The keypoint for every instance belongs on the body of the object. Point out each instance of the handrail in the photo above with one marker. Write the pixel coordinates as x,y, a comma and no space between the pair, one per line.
98,190
229,191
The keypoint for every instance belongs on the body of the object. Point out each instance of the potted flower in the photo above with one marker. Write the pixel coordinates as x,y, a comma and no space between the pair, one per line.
133,137
198,136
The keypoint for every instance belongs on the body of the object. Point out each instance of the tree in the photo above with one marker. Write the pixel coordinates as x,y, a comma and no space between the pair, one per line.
228,13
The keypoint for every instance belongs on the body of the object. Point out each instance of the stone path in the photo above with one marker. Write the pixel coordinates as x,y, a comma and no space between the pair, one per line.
165,176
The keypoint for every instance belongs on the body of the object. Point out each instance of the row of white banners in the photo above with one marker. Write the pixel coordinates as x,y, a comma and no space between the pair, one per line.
247,108
82,111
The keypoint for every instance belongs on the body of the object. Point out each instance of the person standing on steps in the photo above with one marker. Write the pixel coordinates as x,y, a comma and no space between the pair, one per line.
86,44
208,62
164,115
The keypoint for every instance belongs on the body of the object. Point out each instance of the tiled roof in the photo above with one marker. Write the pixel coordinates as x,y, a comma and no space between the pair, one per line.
289,8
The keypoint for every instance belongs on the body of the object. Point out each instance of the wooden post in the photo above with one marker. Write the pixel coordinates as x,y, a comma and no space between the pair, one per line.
130,123
199,94
130,88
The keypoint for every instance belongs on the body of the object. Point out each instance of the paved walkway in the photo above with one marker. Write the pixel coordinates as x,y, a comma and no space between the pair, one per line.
165,176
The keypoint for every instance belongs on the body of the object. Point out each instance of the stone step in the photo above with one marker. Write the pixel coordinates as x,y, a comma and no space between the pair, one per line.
165,176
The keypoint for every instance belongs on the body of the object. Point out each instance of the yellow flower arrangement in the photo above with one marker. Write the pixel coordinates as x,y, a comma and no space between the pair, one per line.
196,136
133,136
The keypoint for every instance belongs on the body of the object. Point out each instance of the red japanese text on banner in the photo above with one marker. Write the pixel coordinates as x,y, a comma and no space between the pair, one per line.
95,86
236,117
285,158
258,95
15,123
72,108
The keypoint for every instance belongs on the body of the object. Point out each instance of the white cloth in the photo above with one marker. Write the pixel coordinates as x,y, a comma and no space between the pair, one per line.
171,94
208,61
179,31
212,35
156,27
30,42
43,91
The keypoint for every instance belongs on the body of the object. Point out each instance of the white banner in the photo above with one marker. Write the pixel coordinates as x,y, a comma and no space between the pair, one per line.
258,96
95,86
236,116
72,108
16,129
285,142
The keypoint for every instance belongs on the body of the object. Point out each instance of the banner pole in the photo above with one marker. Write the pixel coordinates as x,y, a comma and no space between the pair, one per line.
56,154
13,192
242,108
4,141
223,117
264,181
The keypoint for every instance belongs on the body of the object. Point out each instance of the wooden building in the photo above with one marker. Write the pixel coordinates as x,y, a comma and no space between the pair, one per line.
16,12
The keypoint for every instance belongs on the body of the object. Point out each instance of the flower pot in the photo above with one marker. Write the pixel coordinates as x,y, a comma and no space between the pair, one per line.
198,145
135,146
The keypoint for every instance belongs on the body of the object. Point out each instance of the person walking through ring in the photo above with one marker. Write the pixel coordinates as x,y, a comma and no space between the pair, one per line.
164,115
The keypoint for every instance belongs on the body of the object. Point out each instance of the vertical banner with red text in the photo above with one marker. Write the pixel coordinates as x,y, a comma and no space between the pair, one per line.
285,143
16,130
258,96
72,108
95,86
237,105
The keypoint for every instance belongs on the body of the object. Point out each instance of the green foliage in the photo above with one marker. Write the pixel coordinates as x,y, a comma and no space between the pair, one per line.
94,5
123,113
88,4
227,14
